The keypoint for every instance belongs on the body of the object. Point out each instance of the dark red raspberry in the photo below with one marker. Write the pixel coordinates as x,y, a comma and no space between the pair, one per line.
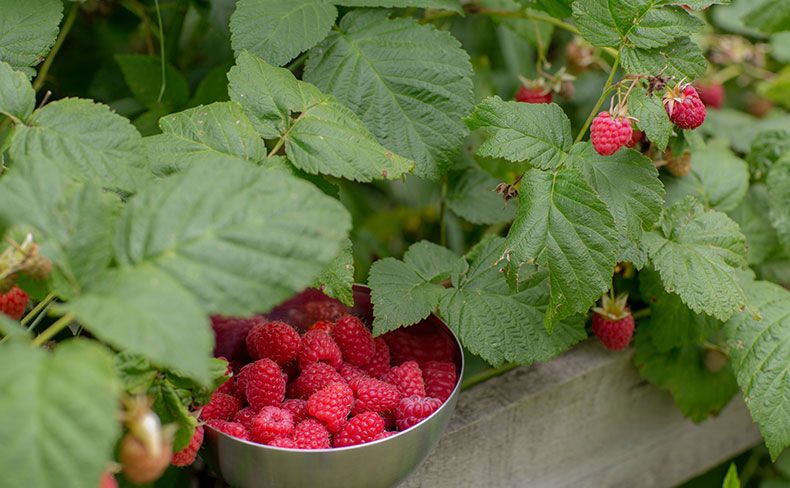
270,423
360,429
407,378
421,342
297,407
14,302
684,107
379,365
374,395
233,429
440,379
613,334
317,346
533,94
230,334
322,325
245,416
331,405
711,94
264,383
414,409
636,138
354,340
349,372
187,455
221,406
317,311
311,434
283,442
277,341
314,377
608,134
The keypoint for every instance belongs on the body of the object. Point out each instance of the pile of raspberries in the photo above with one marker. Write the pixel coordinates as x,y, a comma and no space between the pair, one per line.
322,380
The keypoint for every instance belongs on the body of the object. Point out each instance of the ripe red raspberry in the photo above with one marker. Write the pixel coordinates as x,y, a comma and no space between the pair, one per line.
233,429
277,341
360,429
311,434
379,365
636,138
374,395
384,435
108,480
284,442
349,372
230,334
13,302
684,107
711,94
297,407
440,379
317,346
608,134
265,384
221,406
533,94
322,325
314,377
331,405
407,378
414,409
613,323
245,416
271,422
187,455
421,342
354,340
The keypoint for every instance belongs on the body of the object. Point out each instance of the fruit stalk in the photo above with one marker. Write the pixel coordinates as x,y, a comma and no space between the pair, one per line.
607,89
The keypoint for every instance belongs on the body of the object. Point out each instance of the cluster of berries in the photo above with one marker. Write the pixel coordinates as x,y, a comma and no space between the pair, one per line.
327,384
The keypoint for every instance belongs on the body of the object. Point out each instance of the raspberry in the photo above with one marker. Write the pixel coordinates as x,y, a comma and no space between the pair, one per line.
14,302
322,325
233,429
139,465
636,137
679,166
221,406
612,323
317,346
380,363
277,341
230,334
421,342
264,384
414,409
318,310
373,395
384,435
311,434
331,405
284,442
297,407
407,378
533,94
349,372
108,480
608,134
270,423
711,94
684,107
440,378
359,430
314,377
244,417
187,455
354,340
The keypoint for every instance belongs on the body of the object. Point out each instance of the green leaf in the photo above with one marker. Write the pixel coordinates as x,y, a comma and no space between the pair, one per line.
87,140
698,392
556,8
639,23
780,46
212,133
17,98
681,59
337,280
628,183
760,352
405,292
454,5
564,226
697,252
752,215
766,149
239,237
779,199
171,410
538,133
143,75
410,84
62,414
11,329
27,30
731,480
471,195
651,116
740,128
278,30
719,179
672,323
501,324
698,4
769,16
212,88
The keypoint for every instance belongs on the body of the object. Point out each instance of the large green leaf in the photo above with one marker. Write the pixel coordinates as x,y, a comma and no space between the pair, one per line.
411,84
779,199
766,149
454,5
27,30
337,280
238,237
697,253
760,351
769,16
17,98
682,59
628,183
537,133
471,195
753,217
740,128
61,414
86,139
564,226
501,324
143,75
278,30
651,117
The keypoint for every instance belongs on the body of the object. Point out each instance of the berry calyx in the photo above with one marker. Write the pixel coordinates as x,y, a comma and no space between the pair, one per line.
609,133
613,323
684,107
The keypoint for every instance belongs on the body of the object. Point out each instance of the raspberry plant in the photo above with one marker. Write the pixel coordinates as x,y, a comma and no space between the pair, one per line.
220,159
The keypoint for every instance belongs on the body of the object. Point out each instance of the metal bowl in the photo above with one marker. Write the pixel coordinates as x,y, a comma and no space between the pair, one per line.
380,464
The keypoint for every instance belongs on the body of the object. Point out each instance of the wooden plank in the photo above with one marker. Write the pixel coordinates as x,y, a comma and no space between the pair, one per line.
585,419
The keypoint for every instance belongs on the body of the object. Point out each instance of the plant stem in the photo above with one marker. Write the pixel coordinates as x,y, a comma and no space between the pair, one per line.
161,52
38,308
607,88
64,31
53,329
750,467
487,375
277,146
640,314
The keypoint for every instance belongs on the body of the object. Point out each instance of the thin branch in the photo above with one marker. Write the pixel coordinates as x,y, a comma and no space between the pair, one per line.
64,31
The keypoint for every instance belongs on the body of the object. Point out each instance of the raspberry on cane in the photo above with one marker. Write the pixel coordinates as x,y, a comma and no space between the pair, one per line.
311,434
613,323
297,407
221,406
373,395
13,302
233,429
187,455
684,107
440,378
270,423
277,341
608,133
360,429
636,138
711,94
533,91
314,377
354,340
407,378
331,405
264,383
414,409
317,346
379,364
